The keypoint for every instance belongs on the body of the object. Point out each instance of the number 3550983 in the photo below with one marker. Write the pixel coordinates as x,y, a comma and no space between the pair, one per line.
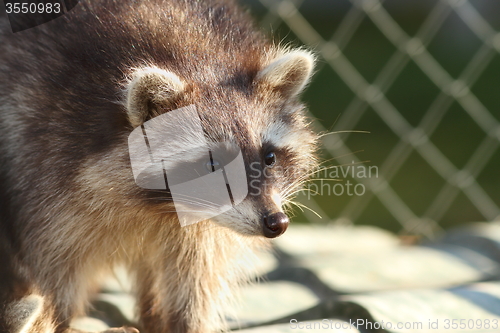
33,8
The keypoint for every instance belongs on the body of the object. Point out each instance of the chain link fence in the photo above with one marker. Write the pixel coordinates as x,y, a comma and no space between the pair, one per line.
423,77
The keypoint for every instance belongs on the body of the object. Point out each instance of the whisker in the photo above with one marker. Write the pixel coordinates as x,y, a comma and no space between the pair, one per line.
306,207
295,204
338,132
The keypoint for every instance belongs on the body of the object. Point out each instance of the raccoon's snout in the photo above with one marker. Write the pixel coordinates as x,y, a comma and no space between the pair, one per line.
275,224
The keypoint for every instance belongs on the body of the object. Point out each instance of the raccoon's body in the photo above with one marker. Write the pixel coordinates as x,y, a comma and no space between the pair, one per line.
71,92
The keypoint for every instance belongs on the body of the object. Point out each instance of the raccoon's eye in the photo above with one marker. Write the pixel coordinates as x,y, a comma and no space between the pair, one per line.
212,165
270,159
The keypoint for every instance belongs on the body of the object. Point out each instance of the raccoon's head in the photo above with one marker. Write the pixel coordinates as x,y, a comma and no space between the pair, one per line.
234,150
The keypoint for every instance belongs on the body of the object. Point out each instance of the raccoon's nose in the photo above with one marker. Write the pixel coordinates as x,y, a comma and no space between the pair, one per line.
275,224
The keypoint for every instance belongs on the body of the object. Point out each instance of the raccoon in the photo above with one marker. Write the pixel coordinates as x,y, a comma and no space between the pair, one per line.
71,92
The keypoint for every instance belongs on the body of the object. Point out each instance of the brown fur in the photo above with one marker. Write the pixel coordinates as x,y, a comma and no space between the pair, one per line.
69,207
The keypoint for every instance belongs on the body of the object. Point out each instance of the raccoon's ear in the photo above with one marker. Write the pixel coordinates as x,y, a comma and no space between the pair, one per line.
288,74
151,88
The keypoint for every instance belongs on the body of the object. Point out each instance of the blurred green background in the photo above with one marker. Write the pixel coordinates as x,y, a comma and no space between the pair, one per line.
432,116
